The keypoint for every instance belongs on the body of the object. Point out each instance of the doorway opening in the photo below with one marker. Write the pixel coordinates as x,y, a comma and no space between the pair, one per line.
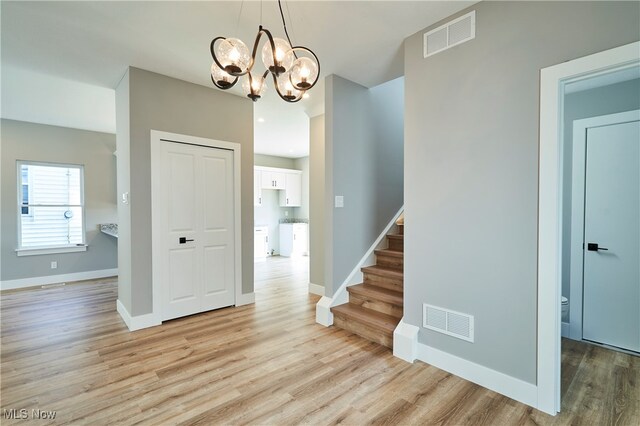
281,196
559,85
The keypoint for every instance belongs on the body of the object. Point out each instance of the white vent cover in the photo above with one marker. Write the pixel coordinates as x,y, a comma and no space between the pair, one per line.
449,322
450,34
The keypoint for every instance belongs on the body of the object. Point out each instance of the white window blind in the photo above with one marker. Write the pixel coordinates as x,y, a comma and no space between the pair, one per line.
50,205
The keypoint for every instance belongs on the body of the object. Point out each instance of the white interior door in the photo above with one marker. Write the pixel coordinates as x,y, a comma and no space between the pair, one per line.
198,240
611,300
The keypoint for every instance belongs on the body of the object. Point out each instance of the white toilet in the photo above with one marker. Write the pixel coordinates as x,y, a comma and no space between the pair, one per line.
565,309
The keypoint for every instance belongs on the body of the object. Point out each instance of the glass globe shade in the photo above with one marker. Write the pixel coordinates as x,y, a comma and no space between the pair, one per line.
256,88
284,56
304,73
286,88
221,78
234,55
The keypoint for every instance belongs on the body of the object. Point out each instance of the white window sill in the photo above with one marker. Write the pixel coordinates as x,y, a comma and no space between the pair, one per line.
49,250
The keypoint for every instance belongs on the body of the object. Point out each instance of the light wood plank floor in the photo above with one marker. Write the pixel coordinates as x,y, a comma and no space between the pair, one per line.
66,349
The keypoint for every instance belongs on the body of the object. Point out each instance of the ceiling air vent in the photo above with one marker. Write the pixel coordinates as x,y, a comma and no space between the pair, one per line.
448,322
450,34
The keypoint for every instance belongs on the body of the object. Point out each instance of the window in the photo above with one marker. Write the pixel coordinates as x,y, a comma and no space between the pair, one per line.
50,208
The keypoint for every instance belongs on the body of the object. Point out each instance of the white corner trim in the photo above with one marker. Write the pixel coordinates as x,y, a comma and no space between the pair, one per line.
496,381
56,279
138,322
405,341
323,311
341,296
316,289
245,299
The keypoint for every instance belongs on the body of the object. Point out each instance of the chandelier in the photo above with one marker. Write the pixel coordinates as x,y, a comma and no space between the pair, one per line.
295,69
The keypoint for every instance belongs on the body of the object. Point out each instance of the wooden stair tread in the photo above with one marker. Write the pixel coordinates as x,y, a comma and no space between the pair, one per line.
383,272
378,320
395,236
378,293
390,253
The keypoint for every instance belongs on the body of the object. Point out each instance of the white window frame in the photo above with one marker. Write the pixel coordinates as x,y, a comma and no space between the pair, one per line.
67,248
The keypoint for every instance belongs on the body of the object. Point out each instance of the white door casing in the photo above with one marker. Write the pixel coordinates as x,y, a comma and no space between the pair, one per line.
607,212
553,80
195,196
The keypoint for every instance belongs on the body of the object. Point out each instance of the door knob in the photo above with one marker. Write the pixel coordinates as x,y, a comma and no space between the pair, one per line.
183,240
594,247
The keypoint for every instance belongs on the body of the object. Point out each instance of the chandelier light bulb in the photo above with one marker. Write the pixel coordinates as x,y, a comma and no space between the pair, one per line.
304,73
234,55
287,91
220,77
283,56
256,88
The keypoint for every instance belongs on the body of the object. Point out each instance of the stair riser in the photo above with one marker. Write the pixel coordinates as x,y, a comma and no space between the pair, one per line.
384,282
396,244
376,305
356,327
396,263
401,229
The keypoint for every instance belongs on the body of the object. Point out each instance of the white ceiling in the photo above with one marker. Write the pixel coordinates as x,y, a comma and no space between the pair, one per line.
62,60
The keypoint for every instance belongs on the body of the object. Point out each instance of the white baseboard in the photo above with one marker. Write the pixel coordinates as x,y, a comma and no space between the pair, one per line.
324,316
246,299
56,279
405,341
565,329
316,289
138,322
496,381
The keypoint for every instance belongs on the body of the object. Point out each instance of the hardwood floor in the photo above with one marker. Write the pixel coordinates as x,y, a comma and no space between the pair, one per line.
66,349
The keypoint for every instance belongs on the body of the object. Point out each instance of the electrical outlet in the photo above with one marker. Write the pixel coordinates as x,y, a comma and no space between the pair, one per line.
54,265
339,201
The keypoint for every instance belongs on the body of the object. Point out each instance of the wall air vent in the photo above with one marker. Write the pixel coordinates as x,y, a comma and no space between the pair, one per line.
450,34
449,322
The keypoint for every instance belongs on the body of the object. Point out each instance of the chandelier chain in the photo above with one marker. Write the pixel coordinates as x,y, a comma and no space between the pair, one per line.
284,24
239,15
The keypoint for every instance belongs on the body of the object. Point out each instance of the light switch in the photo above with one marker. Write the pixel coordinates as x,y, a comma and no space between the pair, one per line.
339,201
125,198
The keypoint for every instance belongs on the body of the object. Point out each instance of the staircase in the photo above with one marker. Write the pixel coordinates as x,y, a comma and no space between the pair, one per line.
375,306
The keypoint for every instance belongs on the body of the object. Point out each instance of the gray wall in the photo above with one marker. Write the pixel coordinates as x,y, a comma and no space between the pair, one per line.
302,164
316,200
471,167
605,100
270,213
162,103
364,163
38,142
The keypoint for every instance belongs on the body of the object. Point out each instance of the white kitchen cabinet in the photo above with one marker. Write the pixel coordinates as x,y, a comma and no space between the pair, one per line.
292,194
294,239
273,180
257,188
260,242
